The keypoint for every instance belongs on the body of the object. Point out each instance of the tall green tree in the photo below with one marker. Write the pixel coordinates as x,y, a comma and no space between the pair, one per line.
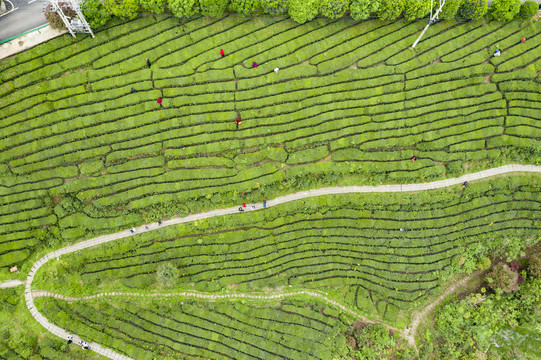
153,6
183,8
95,13
416,9
333,9
450,8
361,9
390,9
213,8
274,7
528,10
505,10
245,7
473,9
303,10
124,9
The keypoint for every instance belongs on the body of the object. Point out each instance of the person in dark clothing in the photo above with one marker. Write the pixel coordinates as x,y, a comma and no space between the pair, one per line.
465,184
132,90
148,63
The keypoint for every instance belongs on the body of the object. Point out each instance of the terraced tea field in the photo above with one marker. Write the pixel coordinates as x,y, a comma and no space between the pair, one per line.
342,248
351,104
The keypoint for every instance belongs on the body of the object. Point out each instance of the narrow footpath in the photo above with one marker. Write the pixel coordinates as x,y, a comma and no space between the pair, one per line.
29,298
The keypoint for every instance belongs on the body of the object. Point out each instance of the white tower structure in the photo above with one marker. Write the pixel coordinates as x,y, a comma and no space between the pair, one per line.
75,24
431,20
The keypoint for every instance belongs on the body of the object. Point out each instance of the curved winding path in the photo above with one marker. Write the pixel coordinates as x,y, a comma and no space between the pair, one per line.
234,210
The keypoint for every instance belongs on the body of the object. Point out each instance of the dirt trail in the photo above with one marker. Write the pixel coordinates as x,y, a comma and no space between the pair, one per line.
410,333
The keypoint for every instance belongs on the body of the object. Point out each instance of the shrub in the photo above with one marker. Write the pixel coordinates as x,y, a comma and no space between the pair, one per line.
303,10
95,13
167,275
450,9
390,9
528,10
333,9
503,278
416,9
361,9
183,8
54,19
535,265
213,8
505,10
153,6
473,9
124,9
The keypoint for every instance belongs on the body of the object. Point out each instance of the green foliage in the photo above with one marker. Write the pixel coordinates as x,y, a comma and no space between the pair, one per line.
153,6
124,9
245,7
333,9
183,8
391,9
528,10
213,8
95,13
466,327
505,10
450,9
303,10
361,9
275,7
502,278
416,9
534,265
473,9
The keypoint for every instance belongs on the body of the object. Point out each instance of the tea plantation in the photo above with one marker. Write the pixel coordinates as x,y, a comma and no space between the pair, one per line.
86,148
351,103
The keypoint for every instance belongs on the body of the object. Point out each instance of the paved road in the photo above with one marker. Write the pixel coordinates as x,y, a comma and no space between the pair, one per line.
234,210
27,16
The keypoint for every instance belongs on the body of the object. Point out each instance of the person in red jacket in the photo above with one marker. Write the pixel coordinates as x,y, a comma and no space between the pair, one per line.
160,101
222,52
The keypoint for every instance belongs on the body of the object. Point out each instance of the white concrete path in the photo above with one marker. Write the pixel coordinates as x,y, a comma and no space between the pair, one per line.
10,284
234,210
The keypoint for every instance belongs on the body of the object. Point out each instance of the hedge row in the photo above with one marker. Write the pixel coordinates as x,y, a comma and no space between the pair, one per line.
144,330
